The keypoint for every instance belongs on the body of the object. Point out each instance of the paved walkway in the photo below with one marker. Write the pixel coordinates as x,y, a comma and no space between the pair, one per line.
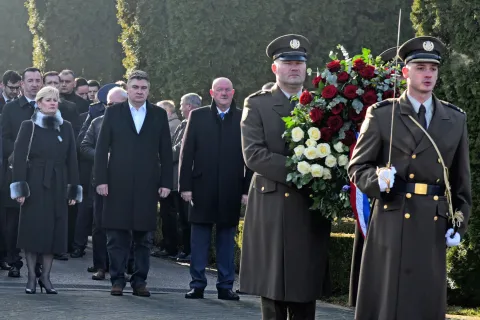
82,298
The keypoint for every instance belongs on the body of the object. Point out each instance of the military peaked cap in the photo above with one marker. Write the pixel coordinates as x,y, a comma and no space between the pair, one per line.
103,92
422,49
289,47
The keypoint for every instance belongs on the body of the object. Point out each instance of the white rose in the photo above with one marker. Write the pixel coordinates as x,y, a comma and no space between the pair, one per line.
303,167
317,170
327,174
310,153
311,143
323,150
338,147
299,150
297,134
314,133
330,161
342,160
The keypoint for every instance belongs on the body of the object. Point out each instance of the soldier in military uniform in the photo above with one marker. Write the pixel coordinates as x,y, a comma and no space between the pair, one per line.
386,56
403,271
284,252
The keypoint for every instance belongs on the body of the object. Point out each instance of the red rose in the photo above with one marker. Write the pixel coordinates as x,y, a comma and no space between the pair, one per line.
338,108
316,114
369,97
334,66
354,116
367,73
343,77
316,81
306,98
349,138
358,64
326,134
329,92
335,123
350,91
387,94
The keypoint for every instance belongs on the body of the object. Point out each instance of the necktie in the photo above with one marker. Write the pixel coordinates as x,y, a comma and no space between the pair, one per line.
32,103
421,116
293,101
222,115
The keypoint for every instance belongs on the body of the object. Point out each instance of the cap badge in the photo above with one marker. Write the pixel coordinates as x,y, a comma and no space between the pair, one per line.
294,44
428,46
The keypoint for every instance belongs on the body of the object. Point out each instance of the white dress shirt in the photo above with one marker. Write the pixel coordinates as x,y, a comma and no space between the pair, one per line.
224,112
427,104
138,115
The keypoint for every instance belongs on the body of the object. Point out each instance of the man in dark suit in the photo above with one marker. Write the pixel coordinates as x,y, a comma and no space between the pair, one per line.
67,91
3,254
214,179
14,113
11,87
132,167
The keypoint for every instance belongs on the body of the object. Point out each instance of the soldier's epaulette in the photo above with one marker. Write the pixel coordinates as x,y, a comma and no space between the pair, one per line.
383,103
259,93
452,106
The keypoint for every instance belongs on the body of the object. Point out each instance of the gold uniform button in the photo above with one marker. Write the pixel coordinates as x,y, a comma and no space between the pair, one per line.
411,176
439,161
407,215
435,218
385,207
263,188
435,198
438,180
414,156
287,195
408,195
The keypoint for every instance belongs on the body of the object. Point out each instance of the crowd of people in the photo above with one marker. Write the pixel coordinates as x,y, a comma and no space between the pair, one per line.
79,156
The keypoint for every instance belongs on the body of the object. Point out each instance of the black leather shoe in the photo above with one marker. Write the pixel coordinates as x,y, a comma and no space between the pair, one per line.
99,275
183,257
61,256
14,272
227,294
194,294
91,269
77,253
4,265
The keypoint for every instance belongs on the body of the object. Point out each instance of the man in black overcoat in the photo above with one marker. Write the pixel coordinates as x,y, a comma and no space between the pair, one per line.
132,167
214,179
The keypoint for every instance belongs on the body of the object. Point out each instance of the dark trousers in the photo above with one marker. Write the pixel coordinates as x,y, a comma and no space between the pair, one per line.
3,229
72,221
11,234
183,207
118,246
168,213
200,244
99,236
83,224
174,213
282,310
355,266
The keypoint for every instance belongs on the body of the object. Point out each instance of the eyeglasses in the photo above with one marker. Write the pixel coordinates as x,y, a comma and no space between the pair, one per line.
13,88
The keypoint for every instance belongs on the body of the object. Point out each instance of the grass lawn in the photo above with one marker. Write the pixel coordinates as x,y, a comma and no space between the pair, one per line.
451,310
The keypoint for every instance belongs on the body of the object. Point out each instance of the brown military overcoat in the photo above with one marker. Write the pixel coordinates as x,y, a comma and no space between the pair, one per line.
403,272
284,252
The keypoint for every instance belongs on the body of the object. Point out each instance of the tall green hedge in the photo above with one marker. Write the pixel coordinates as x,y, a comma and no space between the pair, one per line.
81,35
457,23
16,41
184,45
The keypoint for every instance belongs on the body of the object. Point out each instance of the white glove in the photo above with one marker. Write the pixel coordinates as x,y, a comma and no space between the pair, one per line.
384,175
452,242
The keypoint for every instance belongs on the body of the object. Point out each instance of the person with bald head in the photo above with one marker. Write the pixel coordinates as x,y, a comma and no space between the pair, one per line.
213,178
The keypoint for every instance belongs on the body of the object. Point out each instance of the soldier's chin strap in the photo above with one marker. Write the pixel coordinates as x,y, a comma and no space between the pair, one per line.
457,216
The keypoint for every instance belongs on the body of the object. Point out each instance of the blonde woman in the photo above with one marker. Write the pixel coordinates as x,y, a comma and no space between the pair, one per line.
45,180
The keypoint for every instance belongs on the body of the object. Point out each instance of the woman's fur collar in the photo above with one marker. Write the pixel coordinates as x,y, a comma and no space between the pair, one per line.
47,122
